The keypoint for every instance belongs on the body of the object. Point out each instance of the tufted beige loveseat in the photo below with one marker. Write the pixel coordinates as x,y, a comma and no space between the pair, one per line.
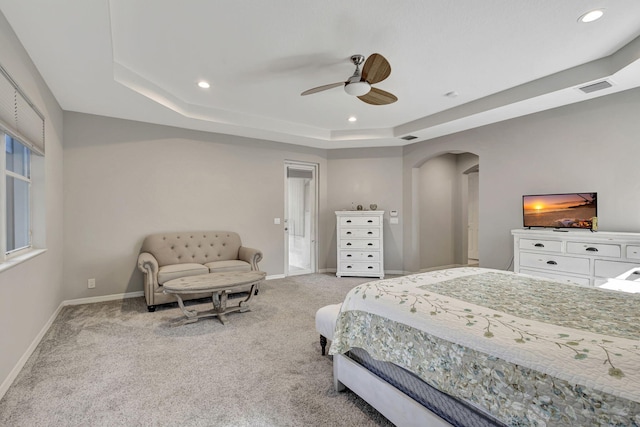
167,256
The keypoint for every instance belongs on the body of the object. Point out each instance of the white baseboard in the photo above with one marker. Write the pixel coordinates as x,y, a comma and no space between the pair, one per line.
112,297
275,276
441,267
23,360
401,272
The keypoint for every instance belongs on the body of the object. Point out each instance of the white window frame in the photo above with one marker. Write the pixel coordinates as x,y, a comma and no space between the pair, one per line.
4,254
21,120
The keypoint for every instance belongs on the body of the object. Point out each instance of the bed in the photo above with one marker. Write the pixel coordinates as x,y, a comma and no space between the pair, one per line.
498,348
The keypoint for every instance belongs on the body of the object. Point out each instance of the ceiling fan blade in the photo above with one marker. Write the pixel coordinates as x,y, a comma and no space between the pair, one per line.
376,69
321,88
378,97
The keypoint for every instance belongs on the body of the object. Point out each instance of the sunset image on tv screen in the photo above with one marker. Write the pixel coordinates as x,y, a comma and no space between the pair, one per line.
560,210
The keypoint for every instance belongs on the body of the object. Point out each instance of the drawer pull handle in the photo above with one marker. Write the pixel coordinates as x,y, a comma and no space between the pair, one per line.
370,221
591,249
348,266
371,256
348,244
349,255
552,263
370,232
539,245
369,244
348,221
370,267
348,232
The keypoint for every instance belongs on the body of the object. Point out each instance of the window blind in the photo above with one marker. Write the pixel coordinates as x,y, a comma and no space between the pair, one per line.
18,116
299,173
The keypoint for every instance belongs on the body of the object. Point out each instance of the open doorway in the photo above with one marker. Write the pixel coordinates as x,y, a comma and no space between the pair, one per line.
300,223
473,225
447,200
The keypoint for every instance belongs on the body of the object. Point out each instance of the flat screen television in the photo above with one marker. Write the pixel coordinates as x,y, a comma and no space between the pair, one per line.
567,210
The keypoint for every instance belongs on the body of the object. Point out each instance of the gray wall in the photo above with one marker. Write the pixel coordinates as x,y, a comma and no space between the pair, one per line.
124,180
32,291
130,179
589,146
442,193
437,196
362,177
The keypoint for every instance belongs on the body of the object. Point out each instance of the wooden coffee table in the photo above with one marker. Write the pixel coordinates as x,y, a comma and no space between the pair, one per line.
220,285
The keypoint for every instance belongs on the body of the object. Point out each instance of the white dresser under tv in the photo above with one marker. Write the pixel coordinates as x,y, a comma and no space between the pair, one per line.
577,256
360,248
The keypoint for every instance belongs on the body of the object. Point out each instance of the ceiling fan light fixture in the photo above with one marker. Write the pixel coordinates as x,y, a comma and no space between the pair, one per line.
357,88
376,69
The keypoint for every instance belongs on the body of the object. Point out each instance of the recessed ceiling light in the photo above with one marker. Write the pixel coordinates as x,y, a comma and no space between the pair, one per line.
591,16
352,119
203,84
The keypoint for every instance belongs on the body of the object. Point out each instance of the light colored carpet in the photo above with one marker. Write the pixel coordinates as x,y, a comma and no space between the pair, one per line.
115,364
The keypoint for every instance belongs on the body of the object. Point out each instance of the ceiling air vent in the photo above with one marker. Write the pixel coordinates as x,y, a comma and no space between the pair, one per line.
596,86
409,137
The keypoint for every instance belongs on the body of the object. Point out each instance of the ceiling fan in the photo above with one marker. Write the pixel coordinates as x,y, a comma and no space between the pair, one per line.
375,70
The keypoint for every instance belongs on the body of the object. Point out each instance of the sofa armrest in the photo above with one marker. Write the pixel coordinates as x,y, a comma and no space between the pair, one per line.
250,255
148,264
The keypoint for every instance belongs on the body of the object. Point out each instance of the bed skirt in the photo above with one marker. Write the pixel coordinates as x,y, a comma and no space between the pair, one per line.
450,409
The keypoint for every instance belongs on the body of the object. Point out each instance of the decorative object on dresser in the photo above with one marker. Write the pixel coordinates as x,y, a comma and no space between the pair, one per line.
360,249
580,257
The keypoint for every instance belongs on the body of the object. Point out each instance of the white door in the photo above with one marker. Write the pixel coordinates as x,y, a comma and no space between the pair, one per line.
300,221
473,222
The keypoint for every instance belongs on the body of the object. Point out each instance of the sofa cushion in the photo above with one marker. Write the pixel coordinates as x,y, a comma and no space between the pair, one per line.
230,265
192,247
175,271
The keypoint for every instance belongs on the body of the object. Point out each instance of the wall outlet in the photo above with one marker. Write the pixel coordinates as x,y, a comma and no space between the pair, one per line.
91,283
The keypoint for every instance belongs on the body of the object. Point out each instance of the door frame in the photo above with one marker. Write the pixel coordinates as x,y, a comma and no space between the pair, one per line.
473,198
314,216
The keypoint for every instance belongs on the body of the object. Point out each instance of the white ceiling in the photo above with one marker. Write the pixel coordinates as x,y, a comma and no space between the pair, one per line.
141,60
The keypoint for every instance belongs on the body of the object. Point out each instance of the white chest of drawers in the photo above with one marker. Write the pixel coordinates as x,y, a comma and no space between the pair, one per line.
360,243
575,256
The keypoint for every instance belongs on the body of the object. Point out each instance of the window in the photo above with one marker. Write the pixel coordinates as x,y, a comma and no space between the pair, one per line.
22,190
17,202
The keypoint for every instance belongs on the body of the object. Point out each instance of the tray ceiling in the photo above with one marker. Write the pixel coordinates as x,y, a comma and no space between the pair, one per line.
455,65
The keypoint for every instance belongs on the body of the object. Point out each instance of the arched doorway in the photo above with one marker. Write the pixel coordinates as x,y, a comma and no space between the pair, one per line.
447,199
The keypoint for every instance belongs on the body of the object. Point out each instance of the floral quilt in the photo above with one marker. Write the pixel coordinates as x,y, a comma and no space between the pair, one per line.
529,351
